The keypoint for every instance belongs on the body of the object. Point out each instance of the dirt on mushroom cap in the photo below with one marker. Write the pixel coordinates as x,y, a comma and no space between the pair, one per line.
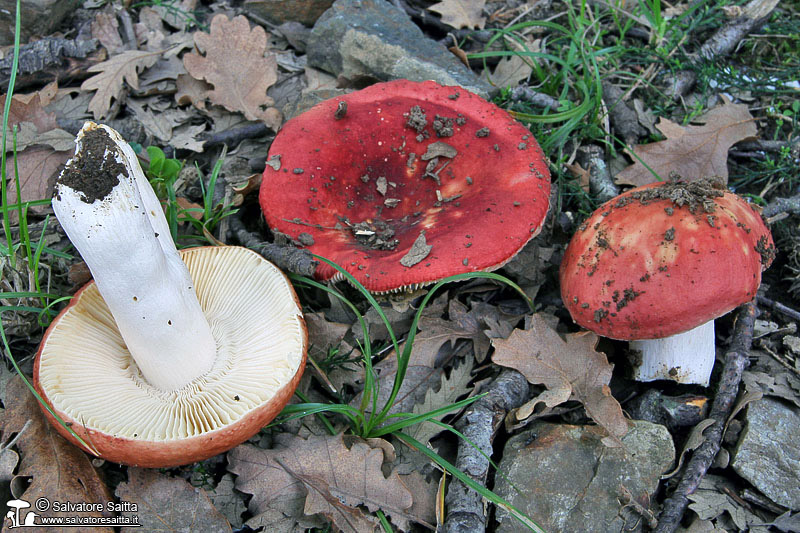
663,259
475,201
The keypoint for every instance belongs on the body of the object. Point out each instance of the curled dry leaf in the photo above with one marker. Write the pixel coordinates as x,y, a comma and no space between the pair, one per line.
330,478
695,439
570,369
693,152
167,503
234,63
461,13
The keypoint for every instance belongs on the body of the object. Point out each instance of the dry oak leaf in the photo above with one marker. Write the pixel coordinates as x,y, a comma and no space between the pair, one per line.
334,479
461,13
38,167
234,63
108,83
166,504
451,389
58,470
693,152
570,369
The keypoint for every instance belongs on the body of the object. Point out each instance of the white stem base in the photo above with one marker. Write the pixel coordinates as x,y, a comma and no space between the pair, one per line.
686,358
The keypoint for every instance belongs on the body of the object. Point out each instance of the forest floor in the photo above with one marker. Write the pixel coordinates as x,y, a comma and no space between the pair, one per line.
471,405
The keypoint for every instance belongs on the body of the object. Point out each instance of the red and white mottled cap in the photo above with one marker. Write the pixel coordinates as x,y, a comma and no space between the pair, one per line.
405,183
663,259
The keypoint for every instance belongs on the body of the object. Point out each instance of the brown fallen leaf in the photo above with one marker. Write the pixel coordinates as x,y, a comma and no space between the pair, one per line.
570,369
323,334
452,387
461,13
418,251
165,503
38,167
58,470
333,480
30,108
108,83
105,28
234,63
693,152
227,501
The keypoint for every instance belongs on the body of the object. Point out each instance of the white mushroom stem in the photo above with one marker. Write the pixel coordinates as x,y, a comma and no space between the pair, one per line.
125,240
687,357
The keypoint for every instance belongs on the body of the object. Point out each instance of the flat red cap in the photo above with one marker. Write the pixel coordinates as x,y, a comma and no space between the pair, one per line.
663,259
405,183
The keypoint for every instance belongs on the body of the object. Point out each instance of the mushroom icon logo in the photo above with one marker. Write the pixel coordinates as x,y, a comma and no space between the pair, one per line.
13,514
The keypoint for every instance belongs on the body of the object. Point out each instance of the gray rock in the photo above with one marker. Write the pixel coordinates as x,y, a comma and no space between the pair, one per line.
768,453
567,480
372,38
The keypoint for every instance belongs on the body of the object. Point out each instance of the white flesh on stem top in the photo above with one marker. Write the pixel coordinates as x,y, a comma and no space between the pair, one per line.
125,240
686,358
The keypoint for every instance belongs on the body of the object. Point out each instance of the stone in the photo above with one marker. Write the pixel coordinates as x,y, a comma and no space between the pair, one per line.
768,453
374,39
279,11
565,479
308,99
37,19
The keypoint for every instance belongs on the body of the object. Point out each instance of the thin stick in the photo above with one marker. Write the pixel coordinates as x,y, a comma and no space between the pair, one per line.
465,507
735,363
779,307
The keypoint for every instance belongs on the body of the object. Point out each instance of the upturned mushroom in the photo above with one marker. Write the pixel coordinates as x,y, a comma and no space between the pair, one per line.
167,357
658,264
405,183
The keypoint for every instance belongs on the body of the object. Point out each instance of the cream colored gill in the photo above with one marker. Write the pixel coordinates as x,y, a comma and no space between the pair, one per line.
88,374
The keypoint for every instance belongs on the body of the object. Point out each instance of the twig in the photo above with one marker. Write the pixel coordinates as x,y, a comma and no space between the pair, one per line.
735,362
779,307
465,507
777,206
601,184
534,97
624,119
129,36
286,258
723,42
765,145
47,59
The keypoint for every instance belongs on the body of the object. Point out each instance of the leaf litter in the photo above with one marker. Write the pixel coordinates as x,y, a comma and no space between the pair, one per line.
126,79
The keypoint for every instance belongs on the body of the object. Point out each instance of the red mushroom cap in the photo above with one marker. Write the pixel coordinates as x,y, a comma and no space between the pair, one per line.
663,259
405,183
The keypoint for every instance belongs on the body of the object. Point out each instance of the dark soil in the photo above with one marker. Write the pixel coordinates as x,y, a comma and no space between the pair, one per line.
95,171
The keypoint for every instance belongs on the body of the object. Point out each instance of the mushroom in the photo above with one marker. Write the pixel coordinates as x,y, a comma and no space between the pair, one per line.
405,183
167,357
658,264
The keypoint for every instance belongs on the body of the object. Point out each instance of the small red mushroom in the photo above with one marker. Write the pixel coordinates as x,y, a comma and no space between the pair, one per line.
658,264
406,183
